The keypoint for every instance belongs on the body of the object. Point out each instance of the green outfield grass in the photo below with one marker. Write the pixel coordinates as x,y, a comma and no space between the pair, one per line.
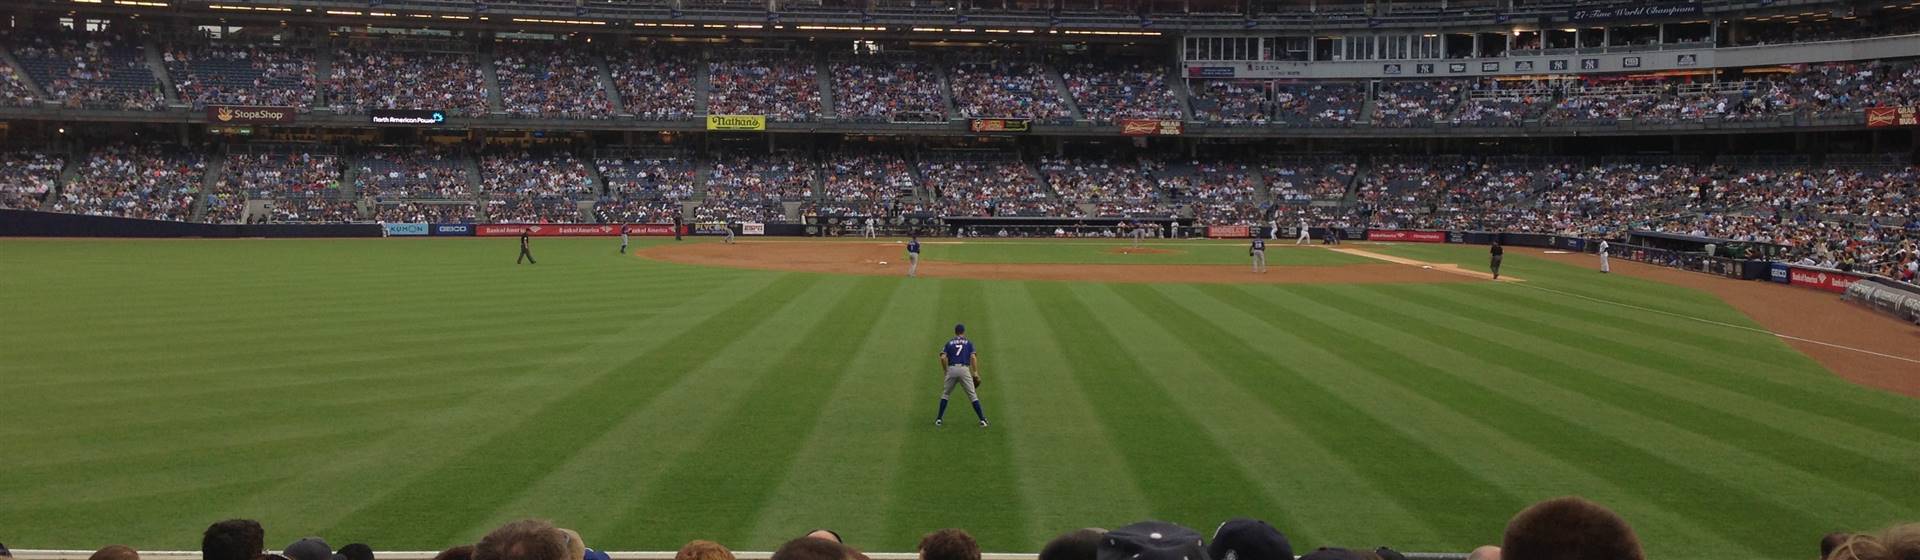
1106,251
414,393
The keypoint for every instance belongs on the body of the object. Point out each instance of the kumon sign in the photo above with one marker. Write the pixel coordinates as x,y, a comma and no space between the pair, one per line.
737,122
238,114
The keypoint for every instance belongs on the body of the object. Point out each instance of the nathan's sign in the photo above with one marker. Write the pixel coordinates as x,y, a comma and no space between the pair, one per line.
235,114
1150,127
736,122
1000,125
408,116
1892,116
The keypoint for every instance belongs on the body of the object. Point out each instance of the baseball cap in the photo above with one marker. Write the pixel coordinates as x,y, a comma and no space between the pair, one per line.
1152,540
959,328
1249,539
310,548
355,551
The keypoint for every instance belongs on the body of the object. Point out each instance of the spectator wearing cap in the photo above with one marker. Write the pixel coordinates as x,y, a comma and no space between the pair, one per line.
115,552
233,539
1249,539
949,544
1081,544
809,548
1570,528
355,551
1152,540
703,550
310,548
526,539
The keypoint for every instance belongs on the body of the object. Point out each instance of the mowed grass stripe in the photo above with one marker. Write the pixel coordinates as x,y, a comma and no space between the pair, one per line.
716,491
959,475
535,443
1140,424
1713,372
1070,474
1813,458
847,487
1789,376
1724,345
1582,280
1663,482
282,453
1358,441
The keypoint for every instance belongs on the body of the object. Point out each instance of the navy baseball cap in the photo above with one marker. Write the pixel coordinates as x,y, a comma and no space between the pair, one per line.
1152,540
310,548
1249,539
959,328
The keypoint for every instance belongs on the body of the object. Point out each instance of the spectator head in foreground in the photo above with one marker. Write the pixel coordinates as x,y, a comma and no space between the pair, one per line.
576,547
1832,541
310,548
826,535
1488,552
1082,544
949,544
526,539
703,550
1248,539
1152,540
462,552
355,551
233,539
1569,528
1900,542
809,548
4,553
115,552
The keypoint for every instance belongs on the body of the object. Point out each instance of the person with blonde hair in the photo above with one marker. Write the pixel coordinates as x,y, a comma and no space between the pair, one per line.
703,550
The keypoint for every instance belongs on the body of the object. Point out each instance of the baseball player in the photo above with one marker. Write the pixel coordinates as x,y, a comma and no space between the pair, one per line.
623,238
526,248
1494,255
1302,240
913,256
1274,233
1603,257
869,231
962,367
728,225
1259,253
1139,231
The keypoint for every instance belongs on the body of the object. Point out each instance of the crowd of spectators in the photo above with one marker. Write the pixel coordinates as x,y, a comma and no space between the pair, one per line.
1106,92
422,212
91,71
1319,104
241,74
785,88
555,174
417,174
655,84
553,81
26,176
270,175
647,177
973,187
880,91
1307,181
13,89
1113,188
634,211
1415,103
1006,89
762,178
865,183
1232,102
532,209
157,183
389,79
312,210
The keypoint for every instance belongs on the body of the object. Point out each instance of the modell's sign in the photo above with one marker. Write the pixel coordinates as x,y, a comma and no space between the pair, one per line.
1892,116
1000,125
1150,127
233,114
1229,231
1829,280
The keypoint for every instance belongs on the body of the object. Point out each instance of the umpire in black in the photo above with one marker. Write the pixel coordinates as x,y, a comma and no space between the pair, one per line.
526,249
1494,254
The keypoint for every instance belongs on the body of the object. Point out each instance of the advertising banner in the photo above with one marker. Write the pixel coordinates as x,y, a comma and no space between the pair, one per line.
1229,231
1886,296
1210,72
753,228
651,230
452,229
710,228
237,114
1407,235
405,229
1000,125
1821,279
1879,117
1634,11
408,116
737,122
549,230
1781,273
1150,127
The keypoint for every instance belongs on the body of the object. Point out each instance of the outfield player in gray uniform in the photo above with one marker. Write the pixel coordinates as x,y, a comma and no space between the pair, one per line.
962,366
729,227
1603,256
913,256
1259,253
623,239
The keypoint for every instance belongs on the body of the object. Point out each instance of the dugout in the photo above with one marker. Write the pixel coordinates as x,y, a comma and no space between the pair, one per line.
1040,226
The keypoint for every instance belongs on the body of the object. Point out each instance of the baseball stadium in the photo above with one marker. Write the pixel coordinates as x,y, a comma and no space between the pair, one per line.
949,280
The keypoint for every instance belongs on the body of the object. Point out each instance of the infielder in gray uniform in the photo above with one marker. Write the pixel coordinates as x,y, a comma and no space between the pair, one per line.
1259,253
913,256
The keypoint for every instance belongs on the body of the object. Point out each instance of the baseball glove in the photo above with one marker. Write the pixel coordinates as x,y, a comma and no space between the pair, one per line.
976,380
